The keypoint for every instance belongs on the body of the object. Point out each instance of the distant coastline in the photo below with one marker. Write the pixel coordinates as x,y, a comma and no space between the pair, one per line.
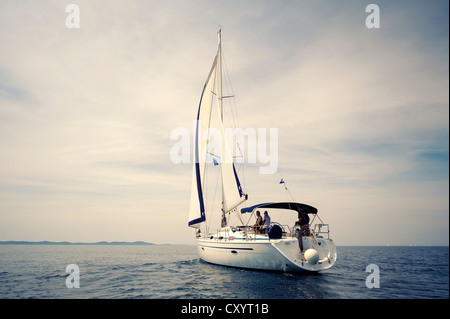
13,242
143,243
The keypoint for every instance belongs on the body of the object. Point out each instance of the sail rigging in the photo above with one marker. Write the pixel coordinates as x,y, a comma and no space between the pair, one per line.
232,193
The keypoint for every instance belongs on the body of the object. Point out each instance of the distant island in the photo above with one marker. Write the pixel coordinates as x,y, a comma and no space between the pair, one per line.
69,243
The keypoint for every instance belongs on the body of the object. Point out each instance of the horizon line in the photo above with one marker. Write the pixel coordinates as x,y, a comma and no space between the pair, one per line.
144,243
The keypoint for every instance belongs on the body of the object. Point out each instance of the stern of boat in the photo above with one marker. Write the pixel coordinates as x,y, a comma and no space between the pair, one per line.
314,252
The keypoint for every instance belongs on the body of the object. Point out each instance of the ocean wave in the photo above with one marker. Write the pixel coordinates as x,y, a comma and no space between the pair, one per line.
149,264
189,262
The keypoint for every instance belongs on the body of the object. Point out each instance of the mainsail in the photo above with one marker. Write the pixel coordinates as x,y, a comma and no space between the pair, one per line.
232,194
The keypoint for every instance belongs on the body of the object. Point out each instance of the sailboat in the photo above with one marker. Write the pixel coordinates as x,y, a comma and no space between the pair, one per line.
299,246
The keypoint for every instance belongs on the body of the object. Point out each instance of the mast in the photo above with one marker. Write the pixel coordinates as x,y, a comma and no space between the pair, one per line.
220,105
219,73
232,193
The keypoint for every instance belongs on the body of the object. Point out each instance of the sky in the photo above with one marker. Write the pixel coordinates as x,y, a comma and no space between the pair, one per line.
86,114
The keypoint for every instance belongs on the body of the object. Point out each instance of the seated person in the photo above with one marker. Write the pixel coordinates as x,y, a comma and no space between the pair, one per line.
259,221
266,222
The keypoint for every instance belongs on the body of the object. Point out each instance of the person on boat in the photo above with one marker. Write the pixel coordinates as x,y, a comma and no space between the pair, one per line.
266,222
259,221
303,223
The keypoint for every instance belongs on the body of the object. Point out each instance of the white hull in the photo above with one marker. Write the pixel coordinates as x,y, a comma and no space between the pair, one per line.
267,254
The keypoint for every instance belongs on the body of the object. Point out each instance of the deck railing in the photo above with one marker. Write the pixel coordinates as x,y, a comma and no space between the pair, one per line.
320,230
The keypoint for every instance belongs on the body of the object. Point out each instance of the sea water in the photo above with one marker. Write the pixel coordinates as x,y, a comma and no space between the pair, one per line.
171,271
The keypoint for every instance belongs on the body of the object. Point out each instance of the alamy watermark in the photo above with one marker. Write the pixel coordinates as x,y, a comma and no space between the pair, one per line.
73,279
73,19
251,145
373,280
373,19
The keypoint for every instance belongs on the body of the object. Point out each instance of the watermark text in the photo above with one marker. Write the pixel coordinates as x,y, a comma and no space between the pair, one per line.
252,146
73,280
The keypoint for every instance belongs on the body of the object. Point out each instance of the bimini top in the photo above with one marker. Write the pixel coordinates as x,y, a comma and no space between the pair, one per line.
298,207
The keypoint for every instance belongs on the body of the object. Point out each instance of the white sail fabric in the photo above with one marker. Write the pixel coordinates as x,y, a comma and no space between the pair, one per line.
197,206
232,194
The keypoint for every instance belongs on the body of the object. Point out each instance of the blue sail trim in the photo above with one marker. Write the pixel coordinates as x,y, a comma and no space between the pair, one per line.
202,217
197,169
238,183
197,164
196,221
